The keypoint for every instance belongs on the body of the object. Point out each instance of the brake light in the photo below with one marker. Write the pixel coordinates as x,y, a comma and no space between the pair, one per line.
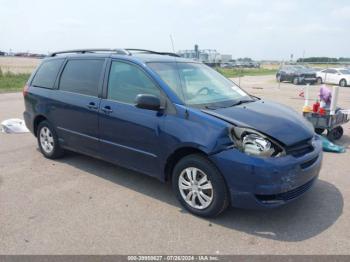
25,90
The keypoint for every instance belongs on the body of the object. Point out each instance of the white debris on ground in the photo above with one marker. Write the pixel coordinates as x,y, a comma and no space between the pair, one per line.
13,126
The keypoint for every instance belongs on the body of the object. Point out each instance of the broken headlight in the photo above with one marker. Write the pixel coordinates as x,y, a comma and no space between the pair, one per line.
253,143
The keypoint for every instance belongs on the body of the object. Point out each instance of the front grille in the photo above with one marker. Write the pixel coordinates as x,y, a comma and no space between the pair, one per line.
286,196
300,148
309,75
295,192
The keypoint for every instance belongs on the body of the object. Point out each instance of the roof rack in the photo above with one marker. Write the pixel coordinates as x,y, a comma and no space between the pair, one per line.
120,51
151,52
83,51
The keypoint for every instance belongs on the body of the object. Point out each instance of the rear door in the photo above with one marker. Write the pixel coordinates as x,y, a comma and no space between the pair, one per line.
130,135
76,104
328,76
322,74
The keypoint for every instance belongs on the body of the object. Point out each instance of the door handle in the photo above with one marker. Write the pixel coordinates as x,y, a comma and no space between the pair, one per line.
107,109
92,106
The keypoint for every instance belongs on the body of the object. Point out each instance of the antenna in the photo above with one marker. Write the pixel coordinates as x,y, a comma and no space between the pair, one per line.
172,42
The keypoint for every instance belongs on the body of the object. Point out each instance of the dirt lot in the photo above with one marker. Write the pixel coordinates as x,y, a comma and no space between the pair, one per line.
18,65
79,205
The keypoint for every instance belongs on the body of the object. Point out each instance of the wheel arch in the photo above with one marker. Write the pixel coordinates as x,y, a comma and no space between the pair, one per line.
175,157
343,79
37,120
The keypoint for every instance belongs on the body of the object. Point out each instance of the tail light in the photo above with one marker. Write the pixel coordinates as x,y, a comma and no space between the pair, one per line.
25,90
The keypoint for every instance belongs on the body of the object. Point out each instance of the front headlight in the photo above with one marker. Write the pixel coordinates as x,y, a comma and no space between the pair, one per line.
253,143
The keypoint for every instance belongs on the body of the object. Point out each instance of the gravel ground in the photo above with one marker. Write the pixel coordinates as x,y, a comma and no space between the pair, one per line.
80,205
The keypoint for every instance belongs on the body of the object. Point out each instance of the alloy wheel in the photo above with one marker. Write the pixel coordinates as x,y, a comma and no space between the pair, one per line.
46,140
195,188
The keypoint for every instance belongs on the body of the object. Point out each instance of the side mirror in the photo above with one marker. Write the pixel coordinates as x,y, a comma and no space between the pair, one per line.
146,101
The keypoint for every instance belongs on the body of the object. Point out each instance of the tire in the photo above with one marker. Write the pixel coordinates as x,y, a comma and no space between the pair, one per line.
279,78
319,81
335,133
319,131
296,80
218,194
48,141
342,83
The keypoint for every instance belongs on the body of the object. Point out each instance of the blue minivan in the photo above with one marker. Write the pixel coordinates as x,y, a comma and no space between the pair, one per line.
176,120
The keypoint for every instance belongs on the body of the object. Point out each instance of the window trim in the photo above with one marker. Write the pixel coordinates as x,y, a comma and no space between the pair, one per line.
163,95
100,82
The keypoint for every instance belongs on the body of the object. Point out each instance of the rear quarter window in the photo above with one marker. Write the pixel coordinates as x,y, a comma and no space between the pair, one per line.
82,76
46,75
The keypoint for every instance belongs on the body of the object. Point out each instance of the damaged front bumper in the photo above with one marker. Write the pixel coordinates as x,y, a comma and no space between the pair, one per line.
257,183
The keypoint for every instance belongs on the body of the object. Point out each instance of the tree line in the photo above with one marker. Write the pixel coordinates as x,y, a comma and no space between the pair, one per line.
323,60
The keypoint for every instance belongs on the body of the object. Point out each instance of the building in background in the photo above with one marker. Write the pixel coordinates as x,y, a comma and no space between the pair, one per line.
225,58
207,56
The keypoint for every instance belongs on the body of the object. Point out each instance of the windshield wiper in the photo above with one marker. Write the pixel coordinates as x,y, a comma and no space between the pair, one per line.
235,104
212,107
241,102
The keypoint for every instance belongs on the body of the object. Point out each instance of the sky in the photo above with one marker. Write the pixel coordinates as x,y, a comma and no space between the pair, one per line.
260,29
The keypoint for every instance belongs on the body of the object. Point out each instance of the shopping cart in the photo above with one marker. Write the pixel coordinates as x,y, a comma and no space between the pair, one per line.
330,122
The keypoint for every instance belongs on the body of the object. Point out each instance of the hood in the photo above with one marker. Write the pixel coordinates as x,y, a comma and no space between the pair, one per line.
306,71
270,118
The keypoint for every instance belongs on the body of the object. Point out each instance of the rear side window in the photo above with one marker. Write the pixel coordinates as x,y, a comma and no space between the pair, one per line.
82,76
47,73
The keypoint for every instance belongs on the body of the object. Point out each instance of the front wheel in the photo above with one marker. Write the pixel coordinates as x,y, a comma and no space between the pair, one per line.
199,186
279,78
296,80
48,141
319,80
342,83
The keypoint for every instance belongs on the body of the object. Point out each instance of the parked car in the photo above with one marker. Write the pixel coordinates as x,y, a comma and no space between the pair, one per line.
337,76
297,74
226,65
175,120
253,65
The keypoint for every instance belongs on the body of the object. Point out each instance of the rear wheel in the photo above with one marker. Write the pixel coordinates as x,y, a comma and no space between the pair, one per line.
199,186
342,83
48,141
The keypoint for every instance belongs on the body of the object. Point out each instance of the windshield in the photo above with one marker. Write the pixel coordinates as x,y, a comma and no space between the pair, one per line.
199,85
297,67
302,67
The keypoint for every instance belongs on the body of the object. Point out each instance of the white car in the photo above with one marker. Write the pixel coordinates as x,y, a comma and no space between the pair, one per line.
338,76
